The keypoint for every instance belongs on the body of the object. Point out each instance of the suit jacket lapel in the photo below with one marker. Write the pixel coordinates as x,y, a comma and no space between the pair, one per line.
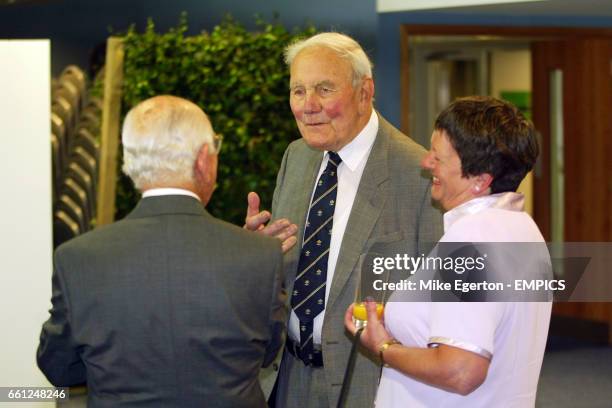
369,201
299,209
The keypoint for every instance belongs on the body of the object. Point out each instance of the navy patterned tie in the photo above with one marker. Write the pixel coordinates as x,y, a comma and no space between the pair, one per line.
308,298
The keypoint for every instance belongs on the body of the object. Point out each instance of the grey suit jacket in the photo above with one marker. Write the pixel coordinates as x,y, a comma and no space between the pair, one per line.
392,210
169,307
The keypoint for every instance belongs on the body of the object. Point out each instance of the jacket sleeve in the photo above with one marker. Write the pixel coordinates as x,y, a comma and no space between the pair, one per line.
58,356
278,312
280,178
429,224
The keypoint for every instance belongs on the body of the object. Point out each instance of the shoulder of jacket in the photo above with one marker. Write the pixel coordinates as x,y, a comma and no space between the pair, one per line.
90,239
247,239
297,146
400,143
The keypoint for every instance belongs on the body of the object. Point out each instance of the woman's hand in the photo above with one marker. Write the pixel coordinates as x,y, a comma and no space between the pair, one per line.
375,334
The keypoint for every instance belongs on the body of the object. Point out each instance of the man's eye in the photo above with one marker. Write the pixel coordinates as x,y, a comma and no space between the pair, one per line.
326,90
297,92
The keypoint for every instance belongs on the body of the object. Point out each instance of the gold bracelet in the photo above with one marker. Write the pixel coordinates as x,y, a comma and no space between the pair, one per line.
384,347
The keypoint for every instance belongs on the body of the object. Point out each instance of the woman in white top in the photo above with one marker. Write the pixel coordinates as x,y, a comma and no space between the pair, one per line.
468,354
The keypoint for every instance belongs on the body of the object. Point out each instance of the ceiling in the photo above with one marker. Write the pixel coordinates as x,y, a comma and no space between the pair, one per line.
569,8
12,2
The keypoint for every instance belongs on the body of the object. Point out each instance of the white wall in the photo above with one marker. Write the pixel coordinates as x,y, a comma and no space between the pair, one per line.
25,208
385,6
510,71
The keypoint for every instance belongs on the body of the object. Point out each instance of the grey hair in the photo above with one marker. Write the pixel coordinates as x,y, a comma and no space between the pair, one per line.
161,139
343,45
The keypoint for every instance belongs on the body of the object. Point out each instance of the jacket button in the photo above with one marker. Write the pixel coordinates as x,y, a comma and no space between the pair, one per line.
275,367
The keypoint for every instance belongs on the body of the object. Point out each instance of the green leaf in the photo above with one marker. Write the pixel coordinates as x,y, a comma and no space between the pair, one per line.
240,80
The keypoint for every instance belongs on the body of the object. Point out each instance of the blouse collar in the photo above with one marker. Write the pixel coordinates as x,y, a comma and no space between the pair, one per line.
509,201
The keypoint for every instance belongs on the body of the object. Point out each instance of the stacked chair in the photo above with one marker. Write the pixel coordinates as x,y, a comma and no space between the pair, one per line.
75,135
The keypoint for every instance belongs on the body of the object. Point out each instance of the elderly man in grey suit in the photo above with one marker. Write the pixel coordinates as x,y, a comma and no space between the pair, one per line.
159,309
351,184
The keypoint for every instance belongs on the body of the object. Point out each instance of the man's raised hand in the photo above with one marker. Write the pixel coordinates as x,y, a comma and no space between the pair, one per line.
256,220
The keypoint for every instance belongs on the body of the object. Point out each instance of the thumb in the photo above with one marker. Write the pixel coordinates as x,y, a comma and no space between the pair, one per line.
371,310
253,204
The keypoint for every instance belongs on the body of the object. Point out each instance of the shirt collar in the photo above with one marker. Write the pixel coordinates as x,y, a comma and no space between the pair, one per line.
154,192
353,153
506,201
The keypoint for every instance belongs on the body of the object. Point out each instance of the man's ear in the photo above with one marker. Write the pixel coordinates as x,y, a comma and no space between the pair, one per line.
366,94
202,163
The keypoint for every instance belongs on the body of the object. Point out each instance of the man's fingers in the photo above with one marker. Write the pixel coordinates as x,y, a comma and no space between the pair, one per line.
277,227
286,232
255,219
288,237
253,204
288,243
255,222
282,229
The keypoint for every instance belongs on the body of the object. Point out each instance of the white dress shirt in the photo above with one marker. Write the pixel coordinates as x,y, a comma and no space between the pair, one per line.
354,157
155,192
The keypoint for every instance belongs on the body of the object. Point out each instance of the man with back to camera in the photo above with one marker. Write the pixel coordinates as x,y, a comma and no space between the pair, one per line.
353,181
158,309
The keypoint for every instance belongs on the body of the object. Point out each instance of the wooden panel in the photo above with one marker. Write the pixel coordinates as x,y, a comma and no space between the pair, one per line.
587,101
597,311
588,132
545,56
111,111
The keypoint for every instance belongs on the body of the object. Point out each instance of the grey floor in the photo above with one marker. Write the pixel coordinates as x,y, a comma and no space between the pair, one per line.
574,375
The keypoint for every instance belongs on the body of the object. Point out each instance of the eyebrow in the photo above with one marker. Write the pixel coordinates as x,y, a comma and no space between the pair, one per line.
326,82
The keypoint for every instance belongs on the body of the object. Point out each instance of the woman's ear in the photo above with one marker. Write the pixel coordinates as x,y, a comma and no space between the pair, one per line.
482,182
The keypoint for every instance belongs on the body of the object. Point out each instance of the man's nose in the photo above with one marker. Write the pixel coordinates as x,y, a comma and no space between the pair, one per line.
312,102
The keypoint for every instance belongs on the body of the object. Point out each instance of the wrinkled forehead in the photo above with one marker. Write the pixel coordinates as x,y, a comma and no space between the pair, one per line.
317,64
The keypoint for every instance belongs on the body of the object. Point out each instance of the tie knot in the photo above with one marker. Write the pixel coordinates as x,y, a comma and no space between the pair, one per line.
334,158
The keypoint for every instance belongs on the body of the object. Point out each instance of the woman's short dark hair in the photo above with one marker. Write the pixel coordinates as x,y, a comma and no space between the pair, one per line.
490,136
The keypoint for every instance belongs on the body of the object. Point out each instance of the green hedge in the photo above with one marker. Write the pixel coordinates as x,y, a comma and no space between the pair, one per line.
240,80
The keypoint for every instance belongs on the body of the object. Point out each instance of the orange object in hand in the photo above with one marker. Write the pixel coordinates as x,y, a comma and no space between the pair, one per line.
360,312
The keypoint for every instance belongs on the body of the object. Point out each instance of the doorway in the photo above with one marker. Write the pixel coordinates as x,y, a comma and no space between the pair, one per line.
447,67
570,93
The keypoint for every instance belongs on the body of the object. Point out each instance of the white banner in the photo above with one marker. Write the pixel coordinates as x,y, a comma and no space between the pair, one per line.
26,241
